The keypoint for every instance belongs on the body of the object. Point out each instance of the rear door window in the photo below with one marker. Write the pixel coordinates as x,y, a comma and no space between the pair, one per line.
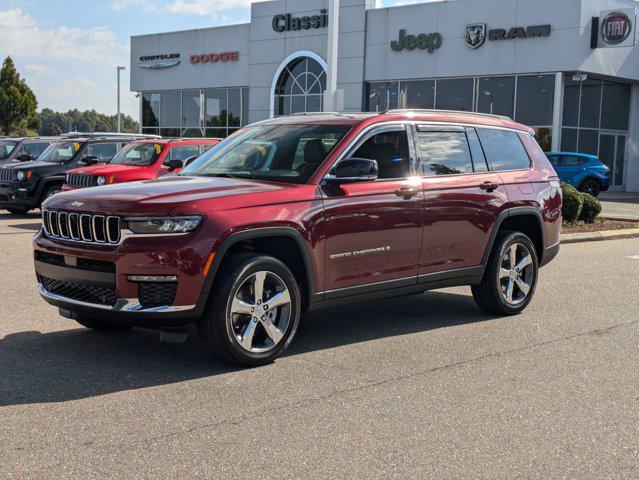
503,149
104,151
443,153
182,152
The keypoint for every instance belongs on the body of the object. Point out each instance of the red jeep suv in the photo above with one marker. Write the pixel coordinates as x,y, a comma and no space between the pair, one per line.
302,212
142,160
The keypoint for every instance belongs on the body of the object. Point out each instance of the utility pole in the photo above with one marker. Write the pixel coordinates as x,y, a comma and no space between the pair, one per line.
330,97
119,69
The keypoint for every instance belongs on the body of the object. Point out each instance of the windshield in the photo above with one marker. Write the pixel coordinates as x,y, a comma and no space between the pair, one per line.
285,153
59,152
138,154
6,147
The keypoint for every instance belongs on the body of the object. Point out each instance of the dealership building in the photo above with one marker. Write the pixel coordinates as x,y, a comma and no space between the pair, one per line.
568,68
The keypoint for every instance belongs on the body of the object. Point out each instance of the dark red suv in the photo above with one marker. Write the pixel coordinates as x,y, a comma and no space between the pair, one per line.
302,212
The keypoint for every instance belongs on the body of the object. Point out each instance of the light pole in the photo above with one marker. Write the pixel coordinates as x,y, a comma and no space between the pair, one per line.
119,68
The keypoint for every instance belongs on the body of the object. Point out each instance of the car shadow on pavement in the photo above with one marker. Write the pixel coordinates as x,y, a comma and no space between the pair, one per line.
4,215
73,364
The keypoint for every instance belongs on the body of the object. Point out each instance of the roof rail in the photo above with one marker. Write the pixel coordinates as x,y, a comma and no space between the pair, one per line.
427,110
108,134
315,113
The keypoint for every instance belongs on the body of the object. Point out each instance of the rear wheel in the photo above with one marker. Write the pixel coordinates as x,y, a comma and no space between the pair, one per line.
510,277
101,325
591,186
254,311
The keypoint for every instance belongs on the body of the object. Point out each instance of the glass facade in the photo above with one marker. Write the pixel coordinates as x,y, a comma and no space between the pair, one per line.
528,99
216,112
590,106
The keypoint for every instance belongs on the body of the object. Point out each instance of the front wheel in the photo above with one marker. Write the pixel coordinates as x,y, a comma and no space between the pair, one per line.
590,186
254,310
510,277
17,211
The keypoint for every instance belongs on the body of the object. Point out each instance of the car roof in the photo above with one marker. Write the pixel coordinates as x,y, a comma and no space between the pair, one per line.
434,116
178,140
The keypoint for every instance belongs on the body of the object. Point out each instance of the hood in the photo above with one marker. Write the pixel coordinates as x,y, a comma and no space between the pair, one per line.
172,195
107,169
17,165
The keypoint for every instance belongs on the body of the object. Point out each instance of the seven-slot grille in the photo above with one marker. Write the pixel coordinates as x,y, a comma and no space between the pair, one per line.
77,180
6,175
81,227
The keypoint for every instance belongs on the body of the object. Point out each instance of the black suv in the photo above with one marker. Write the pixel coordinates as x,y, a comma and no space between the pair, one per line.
25,186
23,148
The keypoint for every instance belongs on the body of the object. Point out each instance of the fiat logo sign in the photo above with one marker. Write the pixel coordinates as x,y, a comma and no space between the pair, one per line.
616,28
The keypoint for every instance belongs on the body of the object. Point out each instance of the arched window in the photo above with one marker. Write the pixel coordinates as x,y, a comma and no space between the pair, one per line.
300,87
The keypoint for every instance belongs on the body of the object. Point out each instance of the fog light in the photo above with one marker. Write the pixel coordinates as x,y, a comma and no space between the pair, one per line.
152,278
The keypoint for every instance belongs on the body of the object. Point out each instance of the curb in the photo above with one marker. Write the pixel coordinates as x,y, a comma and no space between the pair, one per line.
599,236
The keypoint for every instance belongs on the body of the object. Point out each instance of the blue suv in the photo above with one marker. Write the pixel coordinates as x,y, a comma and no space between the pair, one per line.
584,172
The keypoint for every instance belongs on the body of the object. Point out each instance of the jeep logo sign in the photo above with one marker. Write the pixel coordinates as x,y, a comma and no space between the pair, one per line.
616,28
423,41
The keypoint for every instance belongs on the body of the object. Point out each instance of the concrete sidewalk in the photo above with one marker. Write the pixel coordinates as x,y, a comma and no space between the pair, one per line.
620,205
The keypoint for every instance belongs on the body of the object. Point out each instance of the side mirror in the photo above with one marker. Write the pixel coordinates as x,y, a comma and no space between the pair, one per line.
25,157
354,170
90,159
173,164
189,160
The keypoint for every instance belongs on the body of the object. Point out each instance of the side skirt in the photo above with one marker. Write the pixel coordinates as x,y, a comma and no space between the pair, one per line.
396,288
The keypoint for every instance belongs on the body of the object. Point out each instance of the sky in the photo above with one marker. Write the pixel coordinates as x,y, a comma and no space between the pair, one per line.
67,50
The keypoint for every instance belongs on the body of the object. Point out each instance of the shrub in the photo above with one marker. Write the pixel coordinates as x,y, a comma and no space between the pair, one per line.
573,203
591,208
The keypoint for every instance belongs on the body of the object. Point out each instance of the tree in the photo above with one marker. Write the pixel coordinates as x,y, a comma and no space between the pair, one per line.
17,102
51,130
87,121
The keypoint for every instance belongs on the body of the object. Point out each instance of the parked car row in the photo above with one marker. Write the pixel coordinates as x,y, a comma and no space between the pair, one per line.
34,169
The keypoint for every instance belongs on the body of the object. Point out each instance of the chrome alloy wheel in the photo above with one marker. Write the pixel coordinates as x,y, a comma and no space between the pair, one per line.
260,312
516,274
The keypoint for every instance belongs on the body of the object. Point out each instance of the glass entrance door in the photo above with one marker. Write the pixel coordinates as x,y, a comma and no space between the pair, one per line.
612,152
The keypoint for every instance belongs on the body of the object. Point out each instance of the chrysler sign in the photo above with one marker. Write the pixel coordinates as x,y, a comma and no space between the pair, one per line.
160,61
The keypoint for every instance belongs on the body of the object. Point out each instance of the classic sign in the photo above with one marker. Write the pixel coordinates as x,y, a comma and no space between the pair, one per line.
423,41
286,22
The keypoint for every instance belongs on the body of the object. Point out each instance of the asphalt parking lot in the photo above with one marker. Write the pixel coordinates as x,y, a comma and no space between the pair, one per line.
424,386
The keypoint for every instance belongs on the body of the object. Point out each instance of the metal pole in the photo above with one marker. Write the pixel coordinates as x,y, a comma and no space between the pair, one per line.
119,69
331,56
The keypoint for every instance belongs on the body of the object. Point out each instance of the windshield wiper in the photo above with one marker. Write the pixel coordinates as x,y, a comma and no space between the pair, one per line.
226,175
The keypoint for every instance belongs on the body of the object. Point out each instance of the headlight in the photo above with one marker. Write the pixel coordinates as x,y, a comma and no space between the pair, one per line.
163,225
101,180
24,175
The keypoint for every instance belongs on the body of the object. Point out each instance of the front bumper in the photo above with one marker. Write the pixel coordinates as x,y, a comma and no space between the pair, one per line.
16,196
76,290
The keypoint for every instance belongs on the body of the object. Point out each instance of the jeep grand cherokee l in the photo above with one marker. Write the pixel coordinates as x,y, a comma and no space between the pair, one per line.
302,212
24,186
141,160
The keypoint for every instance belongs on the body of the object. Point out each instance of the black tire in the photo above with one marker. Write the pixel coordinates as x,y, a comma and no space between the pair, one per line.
50,191
489,294
101,325
17,211
591,186
217,327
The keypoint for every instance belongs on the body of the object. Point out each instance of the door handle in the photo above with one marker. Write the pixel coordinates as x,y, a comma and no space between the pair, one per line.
407,192
488,186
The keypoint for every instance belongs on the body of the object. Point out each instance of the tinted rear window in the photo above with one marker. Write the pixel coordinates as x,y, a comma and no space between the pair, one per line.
503,149
443,153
